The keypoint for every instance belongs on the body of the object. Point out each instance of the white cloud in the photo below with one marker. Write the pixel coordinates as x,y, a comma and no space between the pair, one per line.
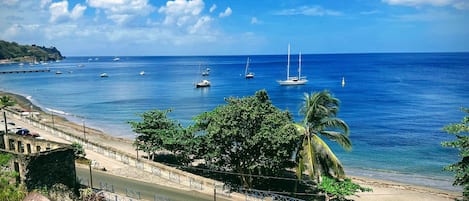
458,4
201,22
184,14
254,20
309,11
44,3
371,12
122,11
59,11
418,2
9,2
212,8
23,32
462,5
226,13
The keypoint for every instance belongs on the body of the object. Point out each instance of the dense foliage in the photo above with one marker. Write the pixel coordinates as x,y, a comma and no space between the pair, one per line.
337,189
156,132
78,150
28,53
8,190
461,168
248,136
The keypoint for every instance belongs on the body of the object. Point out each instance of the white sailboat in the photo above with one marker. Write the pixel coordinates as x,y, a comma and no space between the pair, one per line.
293,80
204,82
248,74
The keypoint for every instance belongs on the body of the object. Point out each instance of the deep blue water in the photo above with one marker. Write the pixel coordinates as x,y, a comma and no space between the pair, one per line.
395,104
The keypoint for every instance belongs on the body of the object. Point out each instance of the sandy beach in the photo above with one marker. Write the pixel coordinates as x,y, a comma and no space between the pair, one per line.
382,189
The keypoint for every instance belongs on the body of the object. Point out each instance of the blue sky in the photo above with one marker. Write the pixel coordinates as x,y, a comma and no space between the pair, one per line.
236,27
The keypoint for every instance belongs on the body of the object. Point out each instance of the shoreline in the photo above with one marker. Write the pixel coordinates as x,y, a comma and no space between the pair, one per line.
381,187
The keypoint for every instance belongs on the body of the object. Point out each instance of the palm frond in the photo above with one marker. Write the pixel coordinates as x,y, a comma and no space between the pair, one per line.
335,123
342,140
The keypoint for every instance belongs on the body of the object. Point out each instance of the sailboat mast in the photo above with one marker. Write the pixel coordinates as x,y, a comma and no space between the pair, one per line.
288,64
247,65
299,67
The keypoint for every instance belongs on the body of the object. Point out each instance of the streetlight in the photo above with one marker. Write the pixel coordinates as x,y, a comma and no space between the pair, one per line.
137,145
84,129
53,124
91,175
30,111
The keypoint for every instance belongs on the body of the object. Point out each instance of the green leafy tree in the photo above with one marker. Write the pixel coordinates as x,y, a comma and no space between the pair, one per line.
337,189
6,101
156,132
320,119
461,168
8,190
247,136
78,150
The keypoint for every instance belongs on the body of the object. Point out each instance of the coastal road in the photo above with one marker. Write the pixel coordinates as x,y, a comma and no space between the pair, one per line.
139,189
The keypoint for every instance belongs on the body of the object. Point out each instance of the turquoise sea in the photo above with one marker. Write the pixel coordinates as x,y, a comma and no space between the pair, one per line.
395,104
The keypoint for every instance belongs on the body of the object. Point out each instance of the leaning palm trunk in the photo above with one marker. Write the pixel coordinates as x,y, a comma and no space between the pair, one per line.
315,156
317,159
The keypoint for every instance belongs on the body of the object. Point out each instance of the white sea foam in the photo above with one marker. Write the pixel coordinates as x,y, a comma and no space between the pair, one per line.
57,111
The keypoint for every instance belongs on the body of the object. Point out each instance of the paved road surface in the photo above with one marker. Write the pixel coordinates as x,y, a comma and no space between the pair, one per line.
134,188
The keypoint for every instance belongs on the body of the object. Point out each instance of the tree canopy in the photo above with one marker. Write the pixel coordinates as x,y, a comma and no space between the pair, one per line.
156,132
248,136
12,50
461,168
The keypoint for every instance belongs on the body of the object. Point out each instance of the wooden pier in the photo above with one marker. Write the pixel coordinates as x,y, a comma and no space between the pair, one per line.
26,71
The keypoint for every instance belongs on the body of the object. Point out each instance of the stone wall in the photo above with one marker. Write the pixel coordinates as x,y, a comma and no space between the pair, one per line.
41,163
48,168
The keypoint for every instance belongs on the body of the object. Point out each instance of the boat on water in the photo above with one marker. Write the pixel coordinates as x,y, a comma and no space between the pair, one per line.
202,83
293,80
142,72
58,72
206,72
248,74
103,75
343,81
116,59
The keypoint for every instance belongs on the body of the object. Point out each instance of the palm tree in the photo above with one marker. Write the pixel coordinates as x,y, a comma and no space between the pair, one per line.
5,101
314,155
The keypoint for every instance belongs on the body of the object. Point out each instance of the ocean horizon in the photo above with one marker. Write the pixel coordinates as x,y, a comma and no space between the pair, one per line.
396,104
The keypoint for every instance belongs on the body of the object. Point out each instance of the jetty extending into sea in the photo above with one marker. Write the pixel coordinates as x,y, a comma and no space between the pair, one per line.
26,71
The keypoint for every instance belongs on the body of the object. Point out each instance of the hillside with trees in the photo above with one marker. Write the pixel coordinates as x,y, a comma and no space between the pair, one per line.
28,53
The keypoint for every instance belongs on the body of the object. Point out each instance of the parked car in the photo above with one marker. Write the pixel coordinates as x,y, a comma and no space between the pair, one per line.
22,131
33,134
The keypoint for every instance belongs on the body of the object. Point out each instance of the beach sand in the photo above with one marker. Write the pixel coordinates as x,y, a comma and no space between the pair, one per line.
383,190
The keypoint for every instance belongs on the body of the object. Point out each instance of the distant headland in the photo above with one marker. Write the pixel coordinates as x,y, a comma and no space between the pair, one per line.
14,52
